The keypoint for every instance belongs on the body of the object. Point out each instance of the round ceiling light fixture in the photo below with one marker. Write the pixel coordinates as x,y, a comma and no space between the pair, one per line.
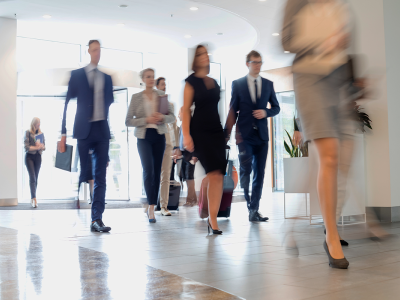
220,33
275,34
286,51
120,24
47,16
194,8
123,6
188,36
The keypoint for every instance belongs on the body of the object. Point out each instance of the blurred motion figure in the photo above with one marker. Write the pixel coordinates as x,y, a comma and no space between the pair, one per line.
318,31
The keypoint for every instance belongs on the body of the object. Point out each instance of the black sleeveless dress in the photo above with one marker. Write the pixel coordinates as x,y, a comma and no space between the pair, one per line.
205,126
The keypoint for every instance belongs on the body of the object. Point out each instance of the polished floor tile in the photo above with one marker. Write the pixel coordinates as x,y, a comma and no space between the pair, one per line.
48,254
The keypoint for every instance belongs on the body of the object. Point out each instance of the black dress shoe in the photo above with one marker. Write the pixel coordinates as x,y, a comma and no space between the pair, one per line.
261,218
99,226
342,242
253,216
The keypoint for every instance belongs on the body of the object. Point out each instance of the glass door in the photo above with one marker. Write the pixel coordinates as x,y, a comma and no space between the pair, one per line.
56,184
281,122
118,169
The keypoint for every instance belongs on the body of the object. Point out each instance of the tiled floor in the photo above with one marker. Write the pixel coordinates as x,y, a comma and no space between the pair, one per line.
52,255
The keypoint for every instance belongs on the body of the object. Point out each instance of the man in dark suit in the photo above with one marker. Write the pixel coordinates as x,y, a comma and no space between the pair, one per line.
248,110
94,92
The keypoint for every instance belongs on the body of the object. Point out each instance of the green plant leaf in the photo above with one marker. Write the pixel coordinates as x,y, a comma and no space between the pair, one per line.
288,149
290,139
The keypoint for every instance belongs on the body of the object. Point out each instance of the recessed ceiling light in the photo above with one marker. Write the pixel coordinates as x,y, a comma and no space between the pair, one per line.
194,8
209,54
120,24
123,6
287,51
47,16
220,33
275,34
188,36
262,0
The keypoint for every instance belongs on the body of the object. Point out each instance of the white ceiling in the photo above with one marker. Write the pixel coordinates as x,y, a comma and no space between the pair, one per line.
245,23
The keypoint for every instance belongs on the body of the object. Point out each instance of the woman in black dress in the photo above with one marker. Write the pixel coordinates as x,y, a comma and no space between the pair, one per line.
202,133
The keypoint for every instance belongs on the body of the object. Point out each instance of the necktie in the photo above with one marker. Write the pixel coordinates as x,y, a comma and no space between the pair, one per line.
255,101
255,85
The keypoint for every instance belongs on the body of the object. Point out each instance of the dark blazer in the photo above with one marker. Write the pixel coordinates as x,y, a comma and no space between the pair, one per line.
242,106
79,88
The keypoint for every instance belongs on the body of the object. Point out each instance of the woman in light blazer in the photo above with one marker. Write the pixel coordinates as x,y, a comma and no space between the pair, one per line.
33,157
150,130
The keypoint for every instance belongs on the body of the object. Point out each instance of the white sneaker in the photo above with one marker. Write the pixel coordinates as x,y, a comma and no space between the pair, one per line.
165,212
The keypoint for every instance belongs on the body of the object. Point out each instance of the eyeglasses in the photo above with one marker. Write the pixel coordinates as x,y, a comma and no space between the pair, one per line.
256,62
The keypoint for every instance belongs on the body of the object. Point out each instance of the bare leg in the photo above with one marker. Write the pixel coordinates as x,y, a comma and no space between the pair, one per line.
328,149
192,198
214,193
151,212
346,150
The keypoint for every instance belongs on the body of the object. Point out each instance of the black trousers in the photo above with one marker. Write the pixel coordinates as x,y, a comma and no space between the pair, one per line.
33,163
151,151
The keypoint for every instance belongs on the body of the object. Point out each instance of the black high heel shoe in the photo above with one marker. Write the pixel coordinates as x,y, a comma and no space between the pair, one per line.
336,263
342,242
213,230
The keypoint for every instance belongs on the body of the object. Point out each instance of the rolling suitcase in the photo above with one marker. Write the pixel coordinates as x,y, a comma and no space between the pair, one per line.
173,198
226,200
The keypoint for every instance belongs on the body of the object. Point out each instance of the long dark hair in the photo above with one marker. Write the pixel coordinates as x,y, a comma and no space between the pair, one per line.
194,68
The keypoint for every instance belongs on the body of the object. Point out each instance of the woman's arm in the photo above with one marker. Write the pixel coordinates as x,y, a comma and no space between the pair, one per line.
131,118
170,118
188,94
27,145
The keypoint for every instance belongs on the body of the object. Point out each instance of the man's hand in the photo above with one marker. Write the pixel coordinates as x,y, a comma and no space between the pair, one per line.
259,114
61,145
297,138
176,154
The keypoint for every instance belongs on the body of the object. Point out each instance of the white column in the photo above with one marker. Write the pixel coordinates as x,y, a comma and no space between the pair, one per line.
8,113
377,27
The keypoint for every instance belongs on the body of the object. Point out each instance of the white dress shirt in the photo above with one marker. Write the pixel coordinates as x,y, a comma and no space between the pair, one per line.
151,107
252,88
97,84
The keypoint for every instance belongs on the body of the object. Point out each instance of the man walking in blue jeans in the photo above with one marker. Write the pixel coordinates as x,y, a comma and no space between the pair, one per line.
94,92
248,110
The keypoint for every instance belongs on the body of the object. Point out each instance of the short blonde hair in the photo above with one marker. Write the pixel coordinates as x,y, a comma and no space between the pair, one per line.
141,74
32,129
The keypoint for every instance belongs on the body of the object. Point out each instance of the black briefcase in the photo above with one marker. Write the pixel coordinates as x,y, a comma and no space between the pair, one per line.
64,160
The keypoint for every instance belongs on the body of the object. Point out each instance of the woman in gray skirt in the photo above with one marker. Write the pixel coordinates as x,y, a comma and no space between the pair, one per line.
318,31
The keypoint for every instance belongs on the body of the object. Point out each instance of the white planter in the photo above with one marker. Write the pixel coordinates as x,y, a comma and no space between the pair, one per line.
296,175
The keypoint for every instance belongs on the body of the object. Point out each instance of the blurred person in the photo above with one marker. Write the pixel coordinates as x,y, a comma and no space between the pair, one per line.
167,159
94,92
160,84
250,96
203,135
320,72
33,156
150,129
187,168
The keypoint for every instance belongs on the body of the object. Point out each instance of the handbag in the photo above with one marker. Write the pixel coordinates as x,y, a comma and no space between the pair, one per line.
64,160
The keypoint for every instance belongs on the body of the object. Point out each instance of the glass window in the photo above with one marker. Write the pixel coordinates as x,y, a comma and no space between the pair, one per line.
281,122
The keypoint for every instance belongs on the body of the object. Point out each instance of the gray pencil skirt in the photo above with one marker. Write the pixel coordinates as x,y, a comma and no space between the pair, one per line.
322,105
